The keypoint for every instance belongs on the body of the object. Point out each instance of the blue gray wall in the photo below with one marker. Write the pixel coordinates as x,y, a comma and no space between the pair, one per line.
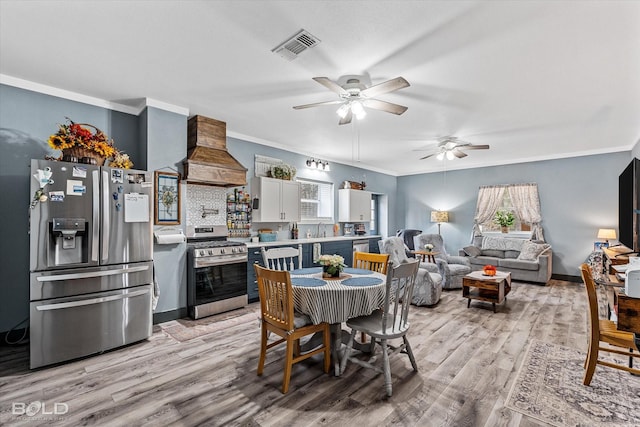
155,140
26,120
577,196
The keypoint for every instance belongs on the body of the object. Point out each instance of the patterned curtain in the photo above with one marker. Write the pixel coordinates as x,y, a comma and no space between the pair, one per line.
526,203
489,200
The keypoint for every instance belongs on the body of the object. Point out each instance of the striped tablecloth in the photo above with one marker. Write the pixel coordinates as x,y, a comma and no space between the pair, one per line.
357,293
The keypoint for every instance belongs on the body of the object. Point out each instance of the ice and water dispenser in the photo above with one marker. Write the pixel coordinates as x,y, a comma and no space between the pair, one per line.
68,241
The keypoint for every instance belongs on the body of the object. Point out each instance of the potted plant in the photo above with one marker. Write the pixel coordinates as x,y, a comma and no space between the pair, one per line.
282,171
332,265
504,219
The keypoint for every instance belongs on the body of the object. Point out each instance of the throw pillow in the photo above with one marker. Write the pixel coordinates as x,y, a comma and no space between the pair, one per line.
472,251
531,251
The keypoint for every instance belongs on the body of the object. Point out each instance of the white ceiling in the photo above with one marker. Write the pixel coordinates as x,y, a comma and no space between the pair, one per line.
534,79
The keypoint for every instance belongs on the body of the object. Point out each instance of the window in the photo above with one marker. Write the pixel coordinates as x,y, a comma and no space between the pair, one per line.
507,205
373,225
316,201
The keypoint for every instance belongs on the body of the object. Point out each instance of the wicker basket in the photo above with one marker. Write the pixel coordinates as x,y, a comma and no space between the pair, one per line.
80,152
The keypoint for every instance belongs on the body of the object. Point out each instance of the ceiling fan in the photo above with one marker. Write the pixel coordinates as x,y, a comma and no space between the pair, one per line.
355,96
451,147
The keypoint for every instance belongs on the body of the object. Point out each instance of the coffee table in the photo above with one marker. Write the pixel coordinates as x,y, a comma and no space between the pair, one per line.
493,289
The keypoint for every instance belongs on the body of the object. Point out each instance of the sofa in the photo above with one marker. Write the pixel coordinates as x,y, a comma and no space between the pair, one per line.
428,287
528,261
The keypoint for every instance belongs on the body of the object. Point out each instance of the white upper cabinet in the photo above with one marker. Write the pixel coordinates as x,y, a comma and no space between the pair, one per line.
354,205
279,200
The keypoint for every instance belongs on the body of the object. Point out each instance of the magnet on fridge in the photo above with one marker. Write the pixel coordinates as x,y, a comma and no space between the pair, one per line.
115,196
118,206
120,188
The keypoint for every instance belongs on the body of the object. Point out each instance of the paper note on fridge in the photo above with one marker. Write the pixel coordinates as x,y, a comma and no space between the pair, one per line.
75,188
136,207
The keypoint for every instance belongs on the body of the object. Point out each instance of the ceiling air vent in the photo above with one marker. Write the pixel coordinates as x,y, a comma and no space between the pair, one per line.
294,46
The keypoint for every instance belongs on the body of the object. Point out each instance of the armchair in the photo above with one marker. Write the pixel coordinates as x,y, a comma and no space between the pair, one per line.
428,287
452,267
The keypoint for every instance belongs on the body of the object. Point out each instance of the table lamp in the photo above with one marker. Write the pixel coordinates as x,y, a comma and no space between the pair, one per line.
606,234
439,217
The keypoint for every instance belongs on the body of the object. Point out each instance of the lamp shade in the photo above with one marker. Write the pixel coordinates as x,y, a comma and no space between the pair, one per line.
439,216
603,233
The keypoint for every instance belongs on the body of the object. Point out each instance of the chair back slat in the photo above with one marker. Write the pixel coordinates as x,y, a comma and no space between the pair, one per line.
282,258
590,286
276,297
369,261
401,280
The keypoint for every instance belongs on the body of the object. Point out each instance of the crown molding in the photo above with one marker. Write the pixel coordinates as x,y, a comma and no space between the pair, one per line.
90,100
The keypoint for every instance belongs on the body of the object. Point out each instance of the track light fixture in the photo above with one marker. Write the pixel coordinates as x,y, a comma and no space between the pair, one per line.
322,165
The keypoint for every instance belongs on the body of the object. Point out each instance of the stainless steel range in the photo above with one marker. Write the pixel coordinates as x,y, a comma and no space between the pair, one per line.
216,272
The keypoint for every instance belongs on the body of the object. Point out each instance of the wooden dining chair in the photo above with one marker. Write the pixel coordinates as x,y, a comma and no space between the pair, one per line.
369,261
282,258
387,323
604,331
279,317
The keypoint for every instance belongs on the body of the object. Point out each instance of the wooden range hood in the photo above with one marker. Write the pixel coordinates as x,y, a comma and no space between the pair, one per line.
208,161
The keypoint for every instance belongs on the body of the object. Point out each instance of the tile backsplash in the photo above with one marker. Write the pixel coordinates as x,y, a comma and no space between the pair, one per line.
212,199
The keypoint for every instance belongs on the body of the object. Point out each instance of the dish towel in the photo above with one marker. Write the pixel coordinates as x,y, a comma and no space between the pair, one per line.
317,251
156,291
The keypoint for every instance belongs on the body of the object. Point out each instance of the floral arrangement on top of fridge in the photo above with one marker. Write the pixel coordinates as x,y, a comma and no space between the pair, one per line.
85,143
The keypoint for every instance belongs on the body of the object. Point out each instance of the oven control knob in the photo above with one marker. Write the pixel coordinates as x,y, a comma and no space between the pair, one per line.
199,253
234,250
210,252
222,250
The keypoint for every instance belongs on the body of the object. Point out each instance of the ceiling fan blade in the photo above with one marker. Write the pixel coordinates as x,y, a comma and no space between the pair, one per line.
476,147
385,87
347,118
332,86
384,106
299,107
459,154
428,155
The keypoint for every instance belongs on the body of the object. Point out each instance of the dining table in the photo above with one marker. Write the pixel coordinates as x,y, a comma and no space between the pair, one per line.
355,292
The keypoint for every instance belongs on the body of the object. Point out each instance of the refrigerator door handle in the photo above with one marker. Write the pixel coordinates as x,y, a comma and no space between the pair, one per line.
105,215
95,231
91,274
62,305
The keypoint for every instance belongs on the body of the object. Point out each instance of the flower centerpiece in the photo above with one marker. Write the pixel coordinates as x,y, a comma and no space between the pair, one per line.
504,219
82,142
332,265
489,270
428,247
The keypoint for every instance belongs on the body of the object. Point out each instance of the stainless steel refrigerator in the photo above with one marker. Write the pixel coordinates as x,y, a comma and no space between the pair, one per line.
91,252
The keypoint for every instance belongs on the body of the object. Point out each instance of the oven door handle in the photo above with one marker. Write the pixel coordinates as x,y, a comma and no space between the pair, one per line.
223,261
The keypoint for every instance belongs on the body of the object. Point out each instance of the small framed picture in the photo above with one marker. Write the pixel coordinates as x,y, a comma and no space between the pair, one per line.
167,198
598,246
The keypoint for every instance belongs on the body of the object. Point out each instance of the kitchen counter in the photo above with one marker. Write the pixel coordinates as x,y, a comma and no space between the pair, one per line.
311,240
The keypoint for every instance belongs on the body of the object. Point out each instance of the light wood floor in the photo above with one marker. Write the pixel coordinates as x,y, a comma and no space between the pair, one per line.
468,360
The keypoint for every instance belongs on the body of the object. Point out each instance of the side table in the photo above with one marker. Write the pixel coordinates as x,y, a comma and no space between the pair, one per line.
427,256
493,289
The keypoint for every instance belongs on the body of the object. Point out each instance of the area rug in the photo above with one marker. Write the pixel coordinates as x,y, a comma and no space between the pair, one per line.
187,329
549,388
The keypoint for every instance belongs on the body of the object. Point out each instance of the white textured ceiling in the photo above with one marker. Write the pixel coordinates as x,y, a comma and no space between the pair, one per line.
534,79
